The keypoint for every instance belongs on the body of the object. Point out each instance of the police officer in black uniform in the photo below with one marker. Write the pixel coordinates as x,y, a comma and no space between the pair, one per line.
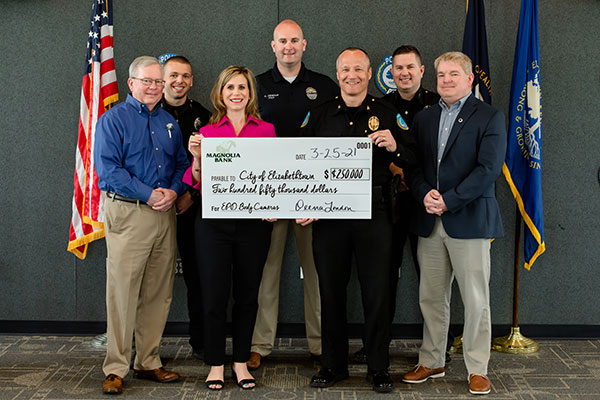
356,114
285,94
408,99
288,90
190,116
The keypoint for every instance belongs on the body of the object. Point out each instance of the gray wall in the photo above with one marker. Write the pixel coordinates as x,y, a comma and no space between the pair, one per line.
42,53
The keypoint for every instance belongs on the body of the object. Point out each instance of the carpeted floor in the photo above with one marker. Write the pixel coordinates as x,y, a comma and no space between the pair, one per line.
69,367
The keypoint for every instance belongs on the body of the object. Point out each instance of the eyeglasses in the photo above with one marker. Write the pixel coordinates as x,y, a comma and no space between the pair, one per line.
149,82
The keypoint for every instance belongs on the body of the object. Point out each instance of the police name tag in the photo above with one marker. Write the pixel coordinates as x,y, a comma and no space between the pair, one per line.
286,178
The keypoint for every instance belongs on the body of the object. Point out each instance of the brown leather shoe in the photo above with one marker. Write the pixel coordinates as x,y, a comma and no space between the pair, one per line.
160,375
254,361
113,384
479,384
421,373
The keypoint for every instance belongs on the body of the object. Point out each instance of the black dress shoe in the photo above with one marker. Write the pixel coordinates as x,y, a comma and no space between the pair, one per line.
326,377
360,357
448,358
381,380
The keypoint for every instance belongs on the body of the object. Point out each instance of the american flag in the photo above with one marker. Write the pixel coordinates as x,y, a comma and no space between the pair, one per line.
98,92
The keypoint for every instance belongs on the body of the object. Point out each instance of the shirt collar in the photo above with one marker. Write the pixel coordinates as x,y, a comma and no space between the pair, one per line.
225,120
138,105
163,103
415,99
456,106
364,106
277,77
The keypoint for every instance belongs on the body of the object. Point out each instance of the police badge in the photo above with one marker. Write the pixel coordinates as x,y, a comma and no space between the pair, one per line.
373,123
311,93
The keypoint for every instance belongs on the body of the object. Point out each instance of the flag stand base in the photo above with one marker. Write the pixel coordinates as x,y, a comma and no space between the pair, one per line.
456,347
515,343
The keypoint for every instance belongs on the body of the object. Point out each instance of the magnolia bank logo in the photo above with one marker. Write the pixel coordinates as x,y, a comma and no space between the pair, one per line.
224,152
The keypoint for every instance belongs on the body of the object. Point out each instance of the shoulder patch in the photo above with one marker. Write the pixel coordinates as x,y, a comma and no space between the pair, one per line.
305,120
400,121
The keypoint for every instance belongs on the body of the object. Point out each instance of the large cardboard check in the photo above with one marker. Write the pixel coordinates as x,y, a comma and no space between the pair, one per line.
286,178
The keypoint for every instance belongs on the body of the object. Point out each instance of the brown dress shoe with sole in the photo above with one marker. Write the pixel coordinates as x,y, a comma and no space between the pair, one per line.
254,361
479,384
113,384
421,373
160,375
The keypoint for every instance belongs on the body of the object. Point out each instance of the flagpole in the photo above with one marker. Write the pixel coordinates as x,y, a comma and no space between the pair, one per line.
515,342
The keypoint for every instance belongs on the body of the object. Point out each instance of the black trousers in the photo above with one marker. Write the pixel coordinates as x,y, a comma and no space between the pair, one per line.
406,206
231,255
334,244
187,251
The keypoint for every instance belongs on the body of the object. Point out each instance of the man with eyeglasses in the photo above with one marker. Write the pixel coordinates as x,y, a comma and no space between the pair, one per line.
140,161
191,116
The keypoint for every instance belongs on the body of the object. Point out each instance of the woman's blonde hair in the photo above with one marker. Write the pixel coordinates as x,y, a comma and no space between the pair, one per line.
216,93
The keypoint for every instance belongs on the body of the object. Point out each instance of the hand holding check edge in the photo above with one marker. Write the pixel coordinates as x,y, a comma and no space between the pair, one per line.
385,139
195,147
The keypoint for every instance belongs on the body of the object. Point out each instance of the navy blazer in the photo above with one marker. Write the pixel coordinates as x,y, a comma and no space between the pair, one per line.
471,163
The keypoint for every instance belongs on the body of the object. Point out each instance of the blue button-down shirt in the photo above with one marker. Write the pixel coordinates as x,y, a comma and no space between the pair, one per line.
137,151
447,119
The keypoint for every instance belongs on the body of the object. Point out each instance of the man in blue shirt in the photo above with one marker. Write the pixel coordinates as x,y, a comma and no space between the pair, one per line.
140,161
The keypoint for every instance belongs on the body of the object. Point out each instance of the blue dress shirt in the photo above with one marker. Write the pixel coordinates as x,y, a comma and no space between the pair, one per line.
137,151
447,119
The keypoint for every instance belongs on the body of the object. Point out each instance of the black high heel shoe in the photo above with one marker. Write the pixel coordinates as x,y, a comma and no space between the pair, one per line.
215,382
243,381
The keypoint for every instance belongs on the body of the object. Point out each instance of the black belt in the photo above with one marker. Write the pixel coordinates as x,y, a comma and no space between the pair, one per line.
116,196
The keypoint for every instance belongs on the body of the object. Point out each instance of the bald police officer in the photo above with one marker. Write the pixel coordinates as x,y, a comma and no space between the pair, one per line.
285,94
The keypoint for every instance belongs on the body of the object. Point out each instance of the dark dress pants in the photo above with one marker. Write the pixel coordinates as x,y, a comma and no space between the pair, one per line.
334,244
231,254
406,205
187,251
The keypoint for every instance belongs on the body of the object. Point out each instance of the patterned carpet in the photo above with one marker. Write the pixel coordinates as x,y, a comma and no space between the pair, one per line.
69,367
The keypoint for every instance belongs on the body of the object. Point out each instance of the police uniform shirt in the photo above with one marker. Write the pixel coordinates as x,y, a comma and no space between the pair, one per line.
190,116
335,119
423,98
285,104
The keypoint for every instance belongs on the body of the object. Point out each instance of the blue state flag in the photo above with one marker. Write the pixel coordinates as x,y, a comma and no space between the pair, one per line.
523,163
475,46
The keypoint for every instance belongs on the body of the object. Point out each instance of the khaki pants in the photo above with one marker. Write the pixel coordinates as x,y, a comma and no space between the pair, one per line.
140,267
265,328
443,259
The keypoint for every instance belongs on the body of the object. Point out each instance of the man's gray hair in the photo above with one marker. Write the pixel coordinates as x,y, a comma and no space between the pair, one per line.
142,61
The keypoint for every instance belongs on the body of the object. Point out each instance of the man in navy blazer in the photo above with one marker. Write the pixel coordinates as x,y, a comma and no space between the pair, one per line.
462,142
